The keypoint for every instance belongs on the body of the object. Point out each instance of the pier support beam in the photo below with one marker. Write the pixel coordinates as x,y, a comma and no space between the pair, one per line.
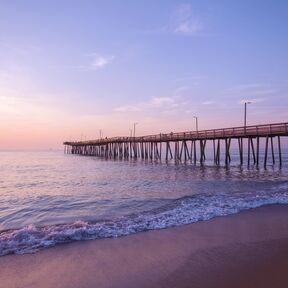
266,151
240,143
279,151
272,150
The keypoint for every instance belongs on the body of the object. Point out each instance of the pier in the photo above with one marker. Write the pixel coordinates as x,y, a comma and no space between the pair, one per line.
191,145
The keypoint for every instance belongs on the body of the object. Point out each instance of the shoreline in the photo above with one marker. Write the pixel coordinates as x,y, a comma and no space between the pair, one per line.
247,249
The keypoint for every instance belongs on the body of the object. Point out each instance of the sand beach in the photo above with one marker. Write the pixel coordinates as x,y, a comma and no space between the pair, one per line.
248,249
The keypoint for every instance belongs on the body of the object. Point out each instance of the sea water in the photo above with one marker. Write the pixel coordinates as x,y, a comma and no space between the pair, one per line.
48,198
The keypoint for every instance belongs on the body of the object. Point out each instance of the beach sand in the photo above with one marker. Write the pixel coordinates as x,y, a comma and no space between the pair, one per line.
249,249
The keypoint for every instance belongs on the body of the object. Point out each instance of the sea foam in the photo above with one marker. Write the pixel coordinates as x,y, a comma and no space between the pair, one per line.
181,211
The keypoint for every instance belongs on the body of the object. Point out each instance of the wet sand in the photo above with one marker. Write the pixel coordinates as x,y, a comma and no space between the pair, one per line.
249,249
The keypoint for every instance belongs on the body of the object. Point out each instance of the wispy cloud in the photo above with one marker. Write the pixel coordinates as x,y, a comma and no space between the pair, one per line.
208,102
182,21
165,103
242,87
182,89
254,89
97,61
185,22
129,108
162,101
25,50
100,62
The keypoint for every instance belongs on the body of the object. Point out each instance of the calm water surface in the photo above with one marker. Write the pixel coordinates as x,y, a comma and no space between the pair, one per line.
48,198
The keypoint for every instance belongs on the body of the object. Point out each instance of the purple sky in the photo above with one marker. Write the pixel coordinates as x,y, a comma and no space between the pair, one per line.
71,68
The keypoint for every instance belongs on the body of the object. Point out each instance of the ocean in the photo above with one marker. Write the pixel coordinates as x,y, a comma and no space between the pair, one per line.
48,198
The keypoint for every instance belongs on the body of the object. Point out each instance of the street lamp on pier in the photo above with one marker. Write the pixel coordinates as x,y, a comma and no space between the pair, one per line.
134,131
196,118
245,114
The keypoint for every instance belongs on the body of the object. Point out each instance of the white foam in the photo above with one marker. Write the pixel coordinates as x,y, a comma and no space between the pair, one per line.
181,211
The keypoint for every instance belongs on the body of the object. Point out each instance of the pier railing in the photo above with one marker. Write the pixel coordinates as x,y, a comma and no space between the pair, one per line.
278,129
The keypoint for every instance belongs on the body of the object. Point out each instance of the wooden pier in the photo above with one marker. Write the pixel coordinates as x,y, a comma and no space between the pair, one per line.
190,146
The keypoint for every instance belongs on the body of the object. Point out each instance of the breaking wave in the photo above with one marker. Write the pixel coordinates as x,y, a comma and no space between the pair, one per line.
180,211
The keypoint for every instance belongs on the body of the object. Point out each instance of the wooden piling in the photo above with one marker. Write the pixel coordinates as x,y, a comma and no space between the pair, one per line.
266,151
272,150
279,151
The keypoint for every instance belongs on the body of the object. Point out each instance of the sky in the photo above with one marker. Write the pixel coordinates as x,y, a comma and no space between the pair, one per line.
69,69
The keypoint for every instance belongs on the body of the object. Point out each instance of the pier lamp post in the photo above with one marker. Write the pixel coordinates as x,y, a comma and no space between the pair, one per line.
134,131
245,114
196,118
100,134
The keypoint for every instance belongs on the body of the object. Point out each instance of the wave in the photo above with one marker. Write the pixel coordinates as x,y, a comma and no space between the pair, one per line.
181,211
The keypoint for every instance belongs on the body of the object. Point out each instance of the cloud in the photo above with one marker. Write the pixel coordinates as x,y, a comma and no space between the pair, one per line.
27,50
166,103
242,87
97,62
182,21
161,101
208,102
185,22
100,62
188,28
251,90
182,89
128,108
263,92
